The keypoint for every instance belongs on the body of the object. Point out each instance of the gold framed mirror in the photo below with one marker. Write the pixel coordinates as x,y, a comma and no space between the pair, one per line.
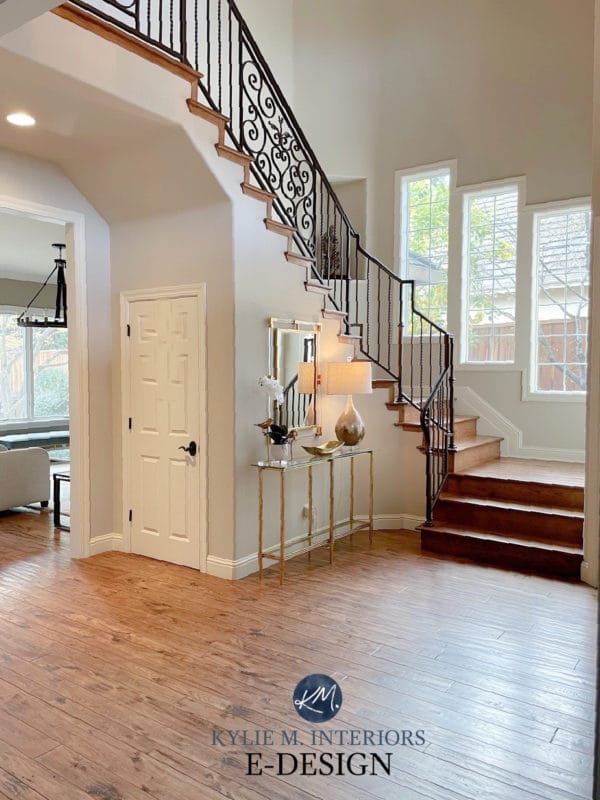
293,357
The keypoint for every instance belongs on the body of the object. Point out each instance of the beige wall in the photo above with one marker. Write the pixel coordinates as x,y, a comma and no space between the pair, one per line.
183,248
504,87
271,22
19,293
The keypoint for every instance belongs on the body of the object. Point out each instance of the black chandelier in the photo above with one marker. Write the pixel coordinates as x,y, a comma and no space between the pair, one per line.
60,315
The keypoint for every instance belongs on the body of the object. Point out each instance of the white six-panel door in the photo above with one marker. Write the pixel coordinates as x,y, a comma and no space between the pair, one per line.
165,377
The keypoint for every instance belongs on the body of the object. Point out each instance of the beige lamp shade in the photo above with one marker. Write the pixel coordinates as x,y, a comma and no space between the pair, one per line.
306,377
349,377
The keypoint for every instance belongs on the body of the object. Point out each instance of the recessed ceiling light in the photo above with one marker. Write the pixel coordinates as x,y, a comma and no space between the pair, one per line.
21,119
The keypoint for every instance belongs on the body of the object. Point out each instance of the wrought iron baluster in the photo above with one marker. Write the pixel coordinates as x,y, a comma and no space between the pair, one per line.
219,53
368,299
183,40
208,50
347,262
379,316
241,133
390,326
230,62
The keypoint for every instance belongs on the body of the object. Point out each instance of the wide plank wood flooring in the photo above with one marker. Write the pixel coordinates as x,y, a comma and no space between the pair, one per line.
114,672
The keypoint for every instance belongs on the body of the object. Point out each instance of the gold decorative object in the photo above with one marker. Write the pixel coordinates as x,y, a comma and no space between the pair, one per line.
323,449
264,425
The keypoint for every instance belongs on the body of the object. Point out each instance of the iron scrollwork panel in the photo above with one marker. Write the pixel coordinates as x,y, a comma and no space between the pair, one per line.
280,156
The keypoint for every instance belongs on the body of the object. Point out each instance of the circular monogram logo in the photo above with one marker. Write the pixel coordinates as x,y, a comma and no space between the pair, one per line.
317,698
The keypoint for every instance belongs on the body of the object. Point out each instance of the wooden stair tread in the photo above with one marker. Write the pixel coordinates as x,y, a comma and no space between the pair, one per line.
233,155
472,533
300,259
256,192
477,441
384,383
279,227
506,505
553,473
315,286
206,112
413,425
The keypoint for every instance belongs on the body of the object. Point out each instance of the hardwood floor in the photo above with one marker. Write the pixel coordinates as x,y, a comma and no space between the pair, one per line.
114,672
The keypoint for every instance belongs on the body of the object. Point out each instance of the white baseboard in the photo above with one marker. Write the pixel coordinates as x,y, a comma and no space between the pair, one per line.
231,570
497,424
394,522
589,574
242,567
106,543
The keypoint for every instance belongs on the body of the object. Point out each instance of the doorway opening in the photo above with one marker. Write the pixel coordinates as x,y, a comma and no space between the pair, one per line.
43,396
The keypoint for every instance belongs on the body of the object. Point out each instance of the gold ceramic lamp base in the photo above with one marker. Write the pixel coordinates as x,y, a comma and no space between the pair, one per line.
350,429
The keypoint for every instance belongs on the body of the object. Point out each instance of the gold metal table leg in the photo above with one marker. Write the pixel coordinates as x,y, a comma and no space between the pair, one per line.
310,510
351,497
331,512
370,499
260,524
281,526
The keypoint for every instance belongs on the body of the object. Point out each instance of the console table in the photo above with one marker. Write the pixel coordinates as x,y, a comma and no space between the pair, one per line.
57,479
309,464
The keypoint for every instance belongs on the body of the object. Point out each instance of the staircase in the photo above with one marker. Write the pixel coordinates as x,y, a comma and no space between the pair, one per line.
506,512
208,44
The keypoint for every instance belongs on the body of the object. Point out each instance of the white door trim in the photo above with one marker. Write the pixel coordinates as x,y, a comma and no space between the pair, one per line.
171,292
79,398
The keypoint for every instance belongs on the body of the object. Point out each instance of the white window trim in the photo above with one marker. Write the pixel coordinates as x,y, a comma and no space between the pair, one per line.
400,208
529,392
30,421
467,192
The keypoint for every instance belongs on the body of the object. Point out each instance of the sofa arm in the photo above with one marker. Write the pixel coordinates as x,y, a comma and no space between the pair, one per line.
24,477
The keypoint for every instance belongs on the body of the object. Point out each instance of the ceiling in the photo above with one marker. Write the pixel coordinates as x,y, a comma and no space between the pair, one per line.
26,251
73,119
128,162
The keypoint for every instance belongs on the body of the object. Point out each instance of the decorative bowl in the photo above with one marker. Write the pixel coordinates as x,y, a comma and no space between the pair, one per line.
324,449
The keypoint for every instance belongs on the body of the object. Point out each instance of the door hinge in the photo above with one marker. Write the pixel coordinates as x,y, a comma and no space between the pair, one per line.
129,330
130,423
130,515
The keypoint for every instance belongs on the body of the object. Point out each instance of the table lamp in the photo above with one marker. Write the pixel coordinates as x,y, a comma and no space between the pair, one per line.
349,378
307,385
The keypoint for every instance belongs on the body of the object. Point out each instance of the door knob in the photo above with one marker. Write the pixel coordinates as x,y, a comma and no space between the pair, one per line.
192,448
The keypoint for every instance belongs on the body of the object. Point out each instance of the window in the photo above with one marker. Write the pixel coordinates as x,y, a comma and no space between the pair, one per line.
491,222
562,271
424,249
34,373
